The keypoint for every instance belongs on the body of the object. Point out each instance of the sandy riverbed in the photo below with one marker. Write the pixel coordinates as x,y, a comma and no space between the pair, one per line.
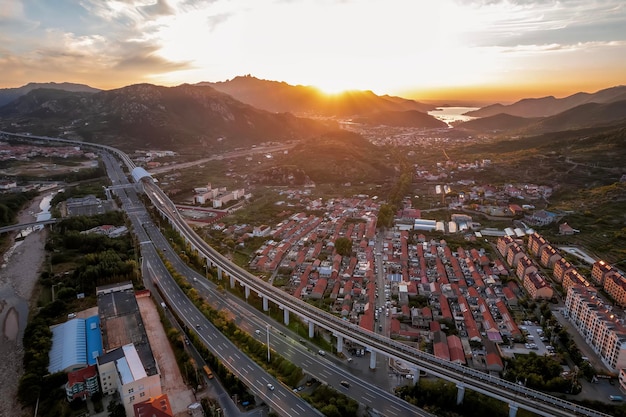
19,270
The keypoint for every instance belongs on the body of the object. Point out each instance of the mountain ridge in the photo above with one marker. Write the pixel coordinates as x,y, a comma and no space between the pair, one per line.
7,95
148,115
278,96
549,105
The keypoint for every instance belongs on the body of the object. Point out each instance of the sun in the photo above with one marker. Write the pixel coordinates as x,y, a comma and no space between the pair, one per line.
333,87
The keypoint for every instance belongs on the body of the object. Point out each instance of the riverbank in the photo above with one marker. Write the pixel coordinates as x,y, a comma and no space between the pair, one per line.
19,270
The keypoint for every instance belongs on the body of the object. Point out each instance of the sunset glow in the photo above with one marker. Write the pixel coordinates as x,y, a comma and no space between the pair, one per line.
493,50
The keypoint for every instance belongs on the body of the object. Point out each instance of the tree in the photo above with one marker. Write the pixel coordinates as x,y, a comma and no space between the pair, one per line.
343,246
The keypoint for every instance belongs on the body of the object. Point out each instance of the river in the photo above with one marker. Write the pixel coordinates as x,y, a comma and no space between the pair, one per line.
19,271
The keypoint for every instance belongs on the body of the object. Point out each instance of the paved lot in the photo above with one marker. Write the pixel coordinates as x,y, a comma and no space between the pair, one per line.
179,394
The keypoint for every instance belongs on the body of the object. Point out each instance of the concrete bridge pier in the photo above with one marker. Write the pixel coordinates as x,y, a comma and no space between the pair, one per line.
460,393
513,409
416,374
232,281
311,330
219,274
266,306
286,316
372,360
246,290
339,343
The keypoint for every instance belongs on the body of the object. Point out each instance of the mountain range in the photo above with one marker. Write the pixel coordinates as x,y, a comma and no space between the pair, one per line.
7,95
145,115
206,117
277,96
550,106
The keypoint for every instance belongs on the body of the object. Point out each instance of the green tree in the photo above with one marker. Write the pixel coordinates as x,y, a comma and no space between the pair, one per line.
343,246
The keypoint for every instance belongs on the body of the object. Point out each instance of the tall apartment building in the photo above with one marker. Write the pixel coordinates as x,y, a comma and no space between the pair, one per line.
525,266
599,272
561,267
601,329
615,287
536,242
537,286
549,256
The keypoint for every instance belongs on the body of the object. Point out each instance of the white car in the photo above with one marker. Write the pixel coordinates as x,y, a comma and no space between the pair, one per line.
270,387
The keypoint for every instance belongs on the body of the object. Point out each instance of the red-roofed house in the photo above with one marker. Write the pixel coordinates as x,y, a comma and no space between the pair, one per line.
82,383
455,348
154,407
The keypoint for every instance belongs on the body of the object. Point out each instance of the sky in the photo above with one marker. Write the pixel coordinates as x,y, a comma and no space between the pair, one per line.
488,50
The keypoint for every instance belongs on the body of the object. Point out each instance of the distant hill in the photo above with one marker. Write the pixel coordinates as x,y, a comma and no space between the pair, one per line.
587,115
409,118
339,157
498,123
7,95
277,96
550,106
583,116
145,115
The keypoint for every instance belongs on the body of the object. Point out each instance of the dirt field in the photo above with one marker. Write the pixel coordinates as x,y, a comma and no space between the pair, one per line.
179,394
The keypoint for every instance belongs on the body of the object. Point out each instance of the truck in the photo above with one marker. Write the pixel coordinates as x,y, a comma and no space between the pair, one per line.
208,372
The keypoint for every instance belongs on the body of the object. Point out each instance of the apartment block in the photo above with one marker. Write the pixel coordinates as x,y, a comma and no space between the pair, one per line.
561,267
514,254
600,271
549,256
524,267
537,286
536,242
615,287
602,330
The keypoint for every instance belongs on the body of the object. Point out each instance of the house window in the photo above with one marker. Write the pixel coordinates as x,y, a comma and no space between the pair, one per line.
131,390
142,394
131,399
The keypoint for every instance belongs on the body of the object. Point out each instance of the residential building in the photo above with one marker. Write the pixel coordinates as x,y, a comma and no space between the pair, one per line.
601,329
549,256
524,267
537,286
600,271
82,383
560,268
536,242
154,407
615,287
514,254
573,277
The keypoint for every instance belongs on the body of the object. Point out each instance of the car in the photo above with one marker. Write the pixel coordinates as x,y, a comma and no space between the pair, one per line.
616,398
270,387
197,326
321,353
258,332
345,384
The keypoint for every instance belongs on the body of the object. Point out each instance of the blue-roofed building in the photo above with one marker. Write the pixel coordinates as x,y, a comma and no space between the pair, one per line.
94,339
70,345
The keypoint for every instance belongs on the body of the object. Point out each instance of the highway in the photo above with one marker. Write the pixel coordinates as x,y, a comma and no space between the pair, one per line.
466,378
